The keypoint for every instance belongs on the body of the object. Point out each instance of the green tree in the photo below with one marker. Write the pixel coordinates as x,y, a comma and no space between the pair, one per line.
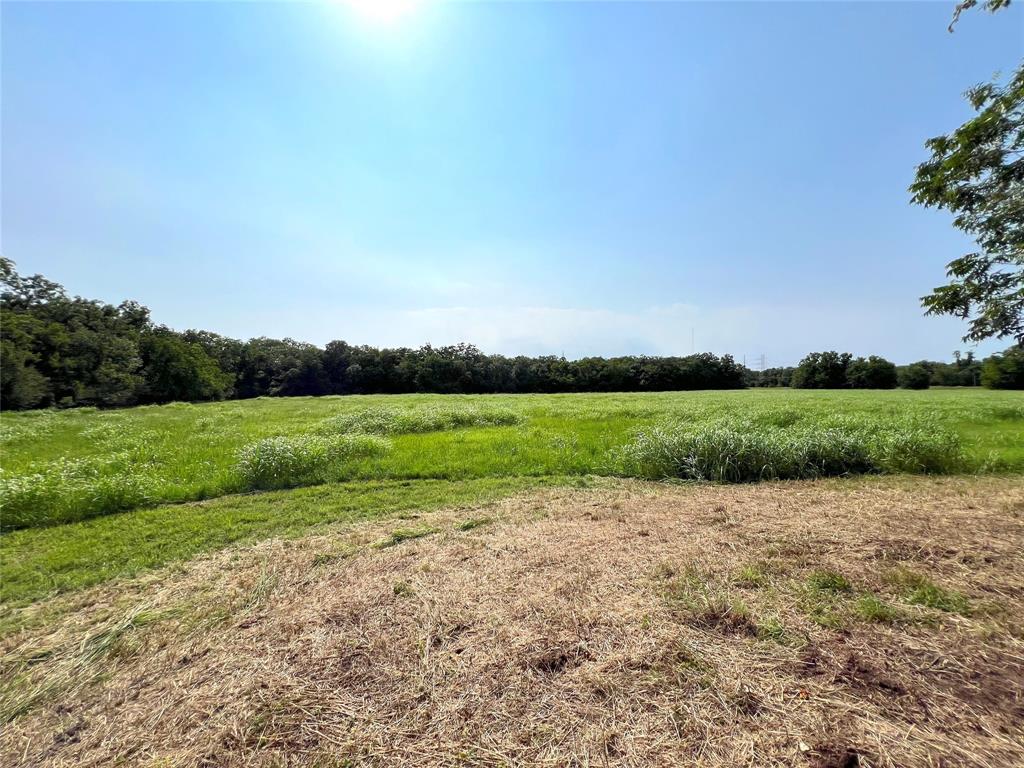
21,383
871,373
965,5
81,352
915,376
822,370
977,174
176,369
1005,371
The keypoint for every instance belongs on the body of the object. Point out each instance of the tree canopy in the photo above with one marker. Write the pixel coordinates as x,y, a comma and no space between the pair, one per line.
977,174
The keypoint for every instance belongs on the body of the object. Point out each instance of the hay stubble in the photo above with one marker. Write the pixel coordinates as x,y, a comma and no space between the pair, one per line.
553,635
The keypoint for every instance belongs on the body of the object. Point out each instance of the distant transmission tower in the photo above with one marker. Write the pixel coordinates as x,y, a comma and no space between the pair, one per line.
760,364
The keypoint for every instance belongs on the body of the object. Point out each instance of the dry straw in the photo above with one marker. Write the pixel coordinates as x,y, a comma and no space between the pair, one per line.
634,625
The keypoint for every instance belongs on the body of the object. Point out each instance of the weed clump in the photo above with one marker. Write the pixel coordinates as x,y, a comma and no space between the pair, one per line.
829,581
708,603
733,451
753,576
473,522
394,421
917,589
286,462
872,608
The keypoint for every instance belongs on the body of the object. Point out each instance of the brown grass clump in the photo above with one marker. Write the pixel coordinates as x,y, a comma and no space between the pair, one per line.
633,625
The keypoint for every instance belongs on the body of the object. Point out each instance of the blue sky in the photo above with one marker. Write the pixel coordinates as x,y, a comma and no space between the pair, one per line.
578,178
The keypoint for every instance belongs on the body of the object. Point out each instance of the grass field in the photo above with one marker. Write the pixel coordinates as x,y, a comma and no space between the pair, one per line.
395,455
65,466
224,538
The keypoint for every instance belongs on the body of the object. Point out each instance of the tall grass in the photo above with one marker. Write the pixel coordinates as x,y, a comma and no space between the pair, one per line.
60,466
738,452
286,462
395,421
68,491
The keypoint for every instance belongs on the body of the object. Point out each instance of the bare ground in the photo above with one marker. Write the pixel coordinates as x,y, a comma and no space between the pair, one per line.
872,622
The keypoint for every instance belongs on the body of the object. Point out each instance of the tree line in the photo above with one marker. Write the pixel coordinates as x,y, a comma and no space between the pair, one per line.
59,350
835,370
63,351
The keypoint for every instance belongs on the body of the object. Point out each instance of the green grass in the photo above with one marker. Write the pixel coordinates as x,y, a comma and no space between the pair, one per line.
829,581
73,465
21,690
65,473
918,589
39,562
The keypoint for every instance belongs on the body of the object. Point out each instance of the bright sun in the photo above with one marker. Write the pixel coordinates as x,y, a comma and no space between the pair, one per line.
382,11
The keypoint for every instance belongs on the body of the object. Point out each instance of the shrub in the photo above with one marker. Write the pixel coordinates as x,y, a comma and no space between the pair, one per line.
285,462
393,421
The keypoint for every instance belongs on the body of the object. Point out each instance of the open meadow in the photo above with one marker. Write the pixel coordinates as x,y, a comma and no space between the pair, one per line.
422,384
63,466
787,571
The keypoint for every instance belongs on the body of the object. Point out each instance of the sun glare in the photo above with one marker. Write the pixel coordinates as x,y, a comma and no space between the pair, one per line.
382,11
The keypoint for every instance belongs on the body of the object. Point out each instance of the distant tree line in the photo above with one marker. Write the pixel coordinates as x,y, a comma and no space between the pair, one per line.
59,350
835,370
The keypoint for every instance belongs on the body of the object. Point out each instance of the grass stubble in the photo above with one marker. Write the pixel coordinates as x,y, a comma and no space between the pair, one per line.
634,624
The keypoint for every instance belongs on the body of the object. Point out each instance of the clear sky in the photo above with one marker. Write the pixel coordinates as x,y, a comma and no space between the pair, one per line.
533,177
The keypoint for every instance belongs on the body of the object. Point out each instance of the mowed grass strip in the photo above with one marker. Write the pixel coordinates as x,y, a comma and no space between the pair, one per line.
46,561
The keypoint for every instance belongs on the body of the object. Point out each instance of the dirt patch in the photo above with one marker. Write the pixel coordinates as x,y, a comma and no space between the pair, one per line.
834,756
981,680
726,620
845,665
554,640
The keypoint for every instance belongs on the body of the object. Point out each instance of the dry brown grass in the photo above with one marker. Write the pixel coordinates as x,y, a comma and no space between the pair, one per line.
634,625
